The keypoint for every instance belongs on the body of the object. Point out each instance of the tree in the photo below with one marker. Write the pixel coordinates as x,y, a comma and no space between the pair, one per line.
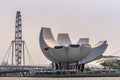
110,64
87,69
115,65
106,64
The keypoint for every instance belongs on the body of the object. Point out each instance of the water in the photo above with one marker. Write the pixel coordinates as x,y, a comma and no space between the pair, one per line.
81,78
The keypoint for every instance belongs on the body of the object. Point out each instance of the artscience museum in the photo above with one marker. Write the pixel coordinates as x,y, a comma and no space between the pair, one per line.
66,55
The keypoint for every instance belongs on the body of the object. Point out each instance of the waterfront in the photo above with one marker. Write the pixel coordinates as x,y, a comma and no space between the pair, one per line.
81,78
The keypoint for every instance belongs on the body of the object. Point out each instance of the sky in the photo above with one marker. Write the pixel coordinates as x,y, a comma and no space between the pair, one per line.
96,19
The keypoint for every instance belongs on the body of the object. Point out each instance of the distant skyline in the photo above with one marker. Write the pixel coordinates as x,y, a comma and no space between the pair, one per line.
95,19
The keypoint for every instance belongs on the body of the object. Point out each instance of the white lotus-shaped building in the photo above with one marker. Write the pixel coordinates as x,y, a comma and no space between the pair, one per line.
63,51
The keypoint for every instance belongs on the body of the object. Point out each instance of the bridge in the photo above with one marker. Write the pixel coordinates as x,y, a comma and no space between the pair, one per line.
22,71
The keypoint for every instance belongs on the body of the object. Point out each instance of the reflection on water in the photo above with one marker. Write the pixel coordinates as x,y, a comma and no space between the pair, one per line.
80,78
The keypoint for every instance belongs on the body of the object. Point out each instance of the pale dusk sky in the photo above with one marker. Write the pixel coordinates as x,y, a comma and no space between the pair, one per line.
96,19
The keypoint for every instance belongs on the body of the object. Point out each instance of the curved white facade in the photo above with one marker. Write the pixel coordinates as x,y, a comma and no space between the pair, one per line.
62,50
